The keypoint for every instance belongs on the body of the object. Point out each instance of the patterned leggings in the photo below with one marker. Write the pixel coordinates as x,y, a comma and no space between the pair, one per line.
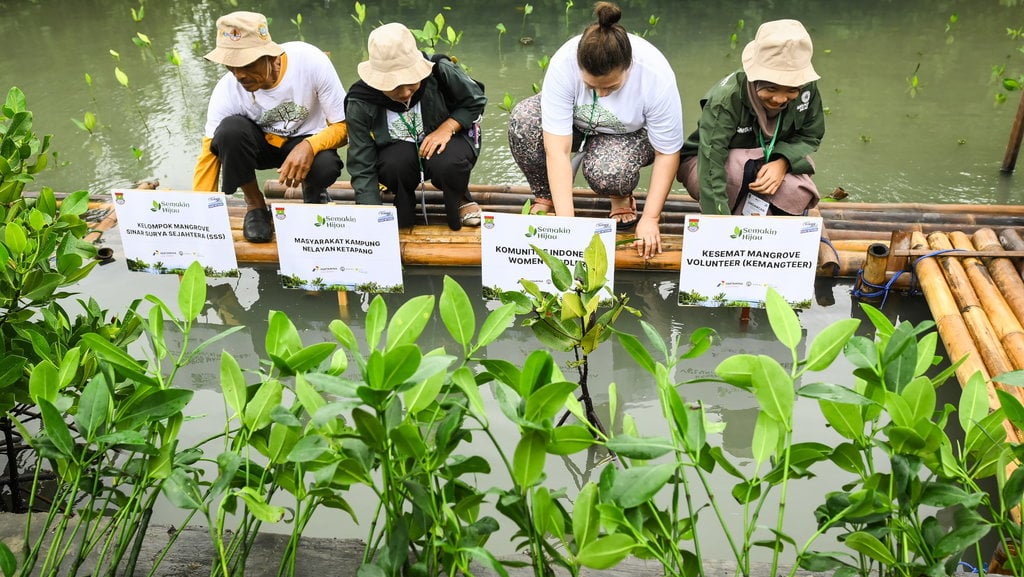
611,162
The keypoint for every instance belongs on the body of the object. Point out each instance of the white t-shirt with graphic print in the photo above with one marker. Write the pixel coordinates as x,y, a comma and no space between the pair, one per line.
307,98
407,126
648,99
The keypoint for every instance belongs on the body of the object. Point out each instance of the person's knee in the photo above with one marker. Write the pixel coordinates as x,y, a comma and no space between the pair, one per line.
325,170
232,129
611,178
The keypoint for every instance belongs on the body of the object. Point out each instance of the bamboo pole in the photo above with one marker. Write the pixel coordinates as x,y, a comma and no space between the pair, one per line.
952,328
1003,272
978,323
1011,240
874,273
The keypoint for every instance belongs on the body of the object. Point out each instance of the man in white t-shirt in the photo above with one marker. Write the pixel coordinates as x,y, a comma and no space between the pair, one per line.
279,106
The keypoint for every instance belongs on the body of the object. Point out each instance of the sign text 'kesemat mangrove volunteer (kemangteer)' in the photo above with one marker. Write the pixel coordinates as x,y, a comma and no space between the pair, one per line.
164,232
338,247
733,260
507,255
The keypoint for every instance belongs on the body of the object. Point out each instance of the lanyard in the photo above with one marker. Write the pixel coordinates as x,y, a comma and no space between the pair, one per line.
771,145
414,132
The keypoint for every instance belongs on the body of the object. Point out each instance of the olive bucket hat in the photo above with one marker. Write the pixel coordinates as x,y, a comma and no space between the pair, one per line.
780,53
242,38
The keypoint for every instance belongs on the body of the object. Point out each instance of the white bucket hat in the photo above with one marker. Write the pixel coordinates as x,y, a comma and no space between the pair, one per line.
243,38
780,53
394,59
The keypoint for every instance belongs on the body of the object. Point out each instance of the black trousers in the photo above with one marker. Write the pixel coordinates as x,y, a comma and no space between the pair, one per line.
239,144
398,169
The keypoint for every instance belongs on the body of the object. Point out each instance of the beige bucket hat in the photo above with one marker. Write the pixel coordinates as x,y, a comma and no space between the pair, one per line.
394,59
780,53
242,38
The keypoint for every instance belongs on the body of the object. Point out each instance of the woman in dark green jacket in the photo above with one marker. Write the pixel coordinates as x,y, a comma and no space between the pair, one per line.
411,118
749,154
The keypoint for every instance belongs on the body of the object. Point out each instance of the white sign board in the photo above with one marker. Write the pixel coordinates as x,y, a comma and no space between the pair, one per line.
333,247
164,232
506,254
732,260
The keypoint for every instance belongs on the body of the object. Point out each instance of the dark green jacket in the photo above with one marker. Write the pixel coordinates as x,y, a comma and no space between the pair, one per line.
449,93
728,121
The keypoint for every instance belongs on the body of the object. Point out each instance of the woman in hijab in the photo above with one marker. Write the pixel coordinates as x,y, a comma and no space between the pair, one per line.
749,154
411,118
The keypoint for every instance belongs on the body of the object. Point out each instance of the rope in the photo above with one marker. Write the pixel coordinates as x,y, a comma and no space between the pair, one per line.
884,289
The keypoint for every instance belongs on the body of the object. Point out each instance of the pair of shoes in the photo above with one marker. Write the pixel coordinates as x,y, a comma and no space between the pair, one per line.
626,211
542,206
469,214
258,225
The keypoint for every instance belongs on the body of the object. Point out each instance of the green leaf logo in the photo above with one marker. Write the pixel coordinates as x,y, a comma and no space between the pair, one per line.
155,207
319,220
531,231
736,232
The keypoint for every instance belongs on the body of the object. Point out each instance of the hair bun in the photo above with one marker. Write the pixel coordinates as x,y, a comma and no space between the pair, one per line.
607,13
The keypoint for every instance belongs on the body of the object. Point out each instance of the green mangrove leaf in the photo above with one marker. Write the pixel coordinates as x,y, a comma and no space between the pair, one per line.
847,457
656,339
829,343
55,428
158,405
409,320
547,400
556,335
596,258
15,238
637,350
572,306
868,544
528,459
646,448
192,292
370,429
783,320
861,352
846,419
457,312
463,378
961,538
940,494
973,402
282,337
11,370
44,382
546,516
899,358
257,411
773,388
232,383
344,335
1011,406
496,323
926,358
738,371
308,448
282,439
920,397
767,436
376,318
883,327
480,555
899,410
409,443
537,371
94,408
586,522
1012,490
637,485
309,358
834,393
258,506
182,491
400,363
424,392
607,551
570,439
8,563
561,276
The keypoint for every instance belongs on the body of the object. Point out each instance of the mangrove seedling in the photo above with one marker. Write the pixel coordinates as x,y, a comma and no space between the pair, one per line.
360,17
523,38
297,22
88,122
734,38
501,32
568,6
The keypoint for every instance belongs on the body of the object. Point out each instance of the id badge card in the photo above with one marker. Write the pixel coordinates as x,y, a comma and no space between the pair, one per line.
756,205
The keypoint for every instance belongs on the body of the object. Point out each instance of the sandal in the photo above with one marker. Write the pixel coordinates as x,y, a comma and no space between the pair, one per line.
469,214
625,225
542,206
